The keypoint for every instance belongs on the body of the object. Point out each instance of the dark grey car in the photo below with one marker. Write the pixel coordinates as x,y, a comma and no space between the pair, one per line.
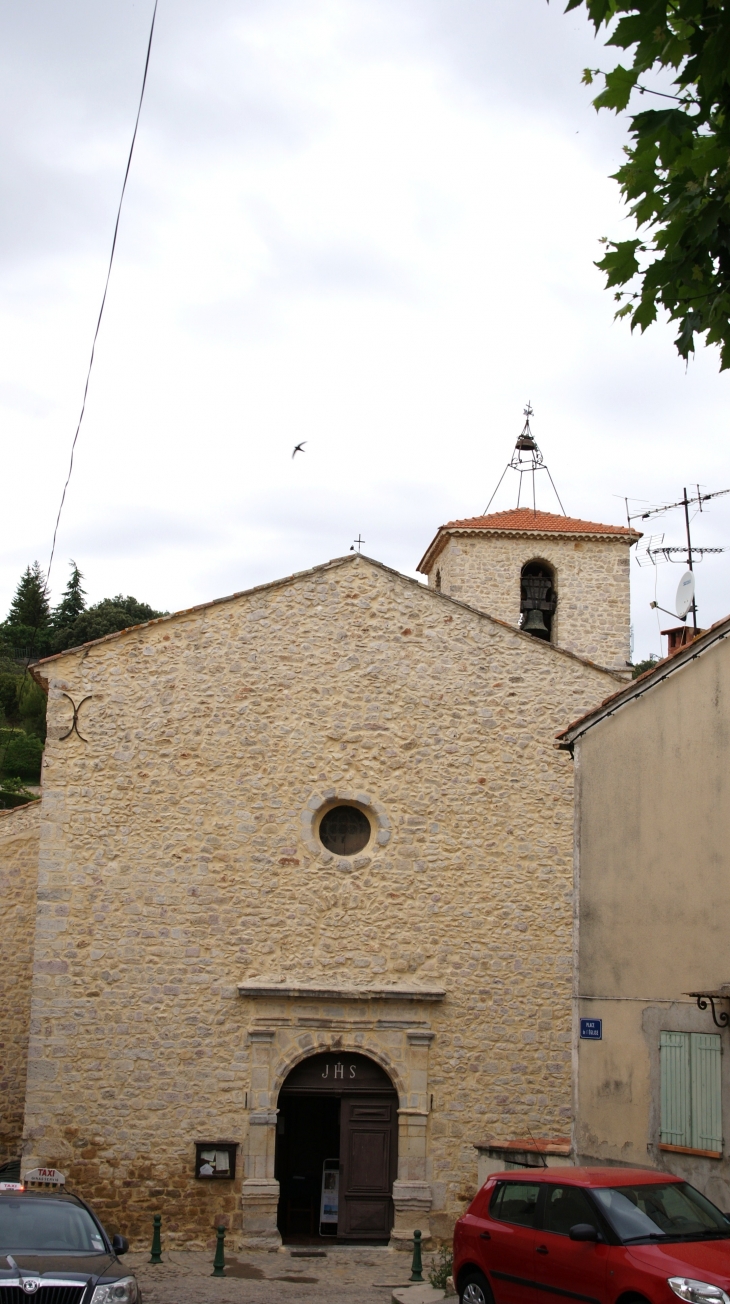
54,1250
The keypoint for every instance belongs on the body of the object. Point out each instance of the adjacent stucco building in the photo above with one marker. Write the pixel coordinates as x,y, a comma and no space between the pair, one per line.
324,817
652,918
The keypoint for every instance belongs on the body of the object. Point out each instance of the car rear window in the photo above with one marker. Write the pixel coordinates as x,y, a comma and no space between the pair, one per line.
47,1225
515,1202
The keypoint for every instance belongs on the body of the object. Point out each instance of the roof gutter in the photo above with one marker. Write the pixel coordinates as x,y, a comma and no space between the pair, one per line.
650,678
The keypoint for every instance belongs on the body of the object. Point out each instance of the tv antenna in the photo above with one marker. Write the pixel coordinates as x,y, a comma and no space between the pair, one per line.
526,459
653,547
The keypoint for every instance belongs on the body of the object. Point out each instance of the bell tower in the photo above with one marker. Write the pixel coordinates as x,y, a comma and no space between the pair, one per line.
558,578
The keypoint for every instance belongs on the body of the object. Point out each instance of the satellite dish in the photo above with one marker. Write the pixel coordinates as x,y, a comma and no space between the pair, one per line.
685,594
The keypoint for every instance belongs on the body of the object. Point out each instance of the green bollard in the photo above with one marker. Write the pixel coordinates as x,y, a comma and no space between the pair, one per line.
219,1262
417,1264
156,1256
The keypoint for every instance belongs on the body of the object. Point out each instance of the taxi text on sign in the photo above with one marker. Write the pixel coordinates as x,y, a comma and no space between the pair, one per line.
50,1175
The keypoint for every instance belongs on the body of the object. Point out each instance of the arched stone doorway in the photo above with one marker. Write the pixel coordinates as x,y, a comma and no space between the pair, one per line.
290,1023
336,1149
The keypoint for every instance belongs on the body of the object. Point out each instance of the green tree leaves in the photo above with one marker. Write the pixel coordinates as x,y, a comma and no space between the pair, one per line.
22,701
73,601
620,263
29,606
105,617
676,178
619,84
21,755
32,631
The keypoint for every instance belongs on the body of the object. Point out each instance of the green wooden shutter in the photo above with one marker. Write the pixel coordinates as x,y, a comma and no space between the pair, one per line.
706,1091
675,1073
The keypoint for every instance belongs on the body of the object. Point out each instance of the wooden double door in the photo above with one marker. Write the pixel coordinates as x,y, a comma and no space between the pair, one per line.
338,1107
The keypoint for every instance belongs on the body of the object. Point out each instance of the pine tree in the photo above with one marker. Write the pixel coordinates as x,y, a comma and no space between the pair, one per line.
30,607
73,601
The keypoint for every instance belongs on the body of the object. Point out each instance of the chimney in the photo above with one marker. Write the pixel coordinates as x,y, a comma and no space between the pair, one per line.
679,637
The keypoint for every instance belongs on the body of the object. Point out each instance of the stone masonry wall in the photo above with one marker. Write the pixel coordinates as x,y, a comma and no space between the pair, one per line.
591,581
18,885
173,866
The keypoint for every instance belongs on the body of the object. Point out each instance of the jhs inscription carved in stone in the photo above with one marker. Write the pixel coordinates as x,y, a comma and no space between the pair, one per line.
339,1070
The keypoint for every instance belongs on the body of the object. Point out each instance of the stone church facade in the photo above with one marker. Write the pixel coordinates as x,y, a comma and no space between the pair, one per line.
302,893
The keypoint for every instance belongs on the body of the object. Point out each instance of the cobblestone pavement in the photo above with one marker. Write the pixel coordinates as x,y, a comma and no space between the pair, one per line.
347,1275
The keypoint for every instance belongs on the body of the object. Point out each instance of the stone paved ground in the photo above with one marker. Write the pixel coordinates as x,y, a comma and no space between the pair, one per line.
348,1275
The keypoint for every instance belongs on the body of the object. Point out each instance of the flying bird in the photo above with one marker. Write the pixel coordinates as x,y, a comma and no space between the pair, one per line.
299,448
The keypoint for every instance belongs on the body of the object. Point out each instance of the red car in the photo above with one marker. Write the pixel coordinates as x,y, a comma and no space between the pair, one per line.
592,1235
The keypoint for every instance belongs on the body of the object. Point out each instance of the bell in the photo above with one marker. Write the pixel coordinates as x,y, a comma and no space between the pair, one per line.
535,624
525,442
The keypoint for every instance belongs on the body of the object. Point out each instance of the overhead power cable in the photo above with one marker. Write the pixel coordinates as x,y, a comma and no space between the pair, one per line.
31,650
103,297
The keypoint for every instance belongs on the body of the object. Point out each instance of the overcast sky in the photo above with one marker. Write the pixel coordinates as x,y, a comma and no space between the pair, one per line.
367,224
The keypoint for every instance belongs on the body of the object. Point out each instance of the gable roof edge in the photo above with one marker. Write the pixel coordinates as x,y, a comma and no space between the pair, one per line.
649,679
435,594
187,611
27,806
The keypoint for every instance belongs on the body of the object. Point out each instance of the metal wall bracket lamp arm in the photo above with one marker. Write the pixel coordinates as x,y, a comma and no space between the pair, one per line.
721,1020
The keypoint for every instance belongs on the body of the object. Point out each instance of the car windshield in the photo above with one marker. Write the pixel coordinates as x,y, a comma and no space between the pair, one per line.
667,1210
54,1226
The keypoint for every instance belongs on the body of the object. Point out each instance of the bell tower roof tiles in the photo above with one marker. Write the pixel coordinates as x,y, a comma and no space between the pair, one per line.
524,521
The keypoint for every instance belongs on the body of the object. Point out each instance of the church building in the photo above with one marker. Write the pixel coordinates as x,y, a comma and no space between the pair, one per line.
289,933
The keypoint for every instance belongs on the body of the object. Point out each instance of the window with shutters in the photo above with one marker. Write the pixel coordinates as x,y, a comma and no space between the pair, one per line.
691,1111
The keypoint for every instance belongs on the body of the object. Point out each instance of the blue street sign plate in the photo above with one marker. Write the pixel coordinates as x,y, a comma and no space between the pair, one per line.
591,1029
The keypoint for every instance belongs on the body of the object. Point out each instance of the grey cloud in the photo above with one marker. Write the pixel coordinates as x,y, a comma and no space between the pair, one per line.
340,269
297,269
27,401
138,530
71,76
521,56
279,533
395,510
243,106
46,209
69,81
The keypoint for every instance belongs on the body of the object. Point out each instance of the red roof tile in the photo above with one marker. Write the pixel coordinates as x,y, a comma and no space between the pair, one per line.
524,518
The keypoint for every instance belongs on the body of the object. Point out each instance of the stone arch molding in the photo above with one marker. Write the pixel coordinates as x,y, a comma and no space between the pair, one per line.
285,1065
538,559
278,1043
320,802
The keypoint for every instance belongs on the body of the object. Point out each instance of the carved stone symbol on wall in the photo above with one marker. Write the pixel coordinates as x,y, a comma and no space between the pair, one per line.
339,1070
75,723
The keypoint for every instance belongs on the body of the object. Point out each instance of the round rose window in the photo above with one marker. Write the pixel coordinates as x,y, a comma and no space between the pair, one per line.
344,830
